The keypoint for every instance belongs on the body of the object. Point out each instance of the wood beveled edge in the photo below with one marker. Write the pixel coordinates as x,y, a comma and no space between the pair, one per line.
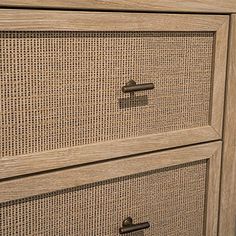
219,76
58,180
227,216
60,158
213,192
39,20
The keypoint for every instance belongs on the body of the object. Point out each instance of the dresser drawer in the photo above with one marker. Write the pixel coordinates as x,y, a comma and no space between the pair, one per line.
175,192
79,87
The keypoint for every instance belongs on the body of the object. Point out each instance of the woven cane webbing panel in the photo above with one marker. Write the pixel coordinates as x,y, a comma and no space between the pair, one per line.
171,199
63,89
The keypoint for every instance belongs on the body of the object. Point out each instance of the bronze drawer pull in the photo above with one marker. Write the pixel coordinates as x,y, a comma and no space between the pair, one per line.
131,86
129,227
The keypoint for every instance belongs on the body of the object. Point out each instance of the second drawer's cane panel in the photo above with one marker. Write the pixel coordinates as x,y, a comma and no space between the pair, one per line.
172,200
63,89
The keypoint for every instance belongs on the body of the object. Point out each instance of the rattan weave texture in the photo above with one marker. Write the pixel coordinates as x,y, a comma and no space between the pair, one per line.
172,199
63,89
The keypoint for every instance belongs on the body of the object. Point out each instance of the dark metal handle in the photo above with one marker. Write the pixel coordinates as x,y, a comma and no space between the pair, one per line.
131,86
129,227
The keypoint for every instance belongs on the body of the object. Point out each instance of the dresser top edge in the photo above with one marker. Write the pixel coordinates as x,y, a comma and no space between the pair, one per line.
190,6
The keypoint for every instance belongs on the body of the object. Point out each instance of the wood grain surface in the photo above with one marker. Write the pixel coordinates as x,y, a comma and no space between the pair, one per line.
227,224
31,20
213,6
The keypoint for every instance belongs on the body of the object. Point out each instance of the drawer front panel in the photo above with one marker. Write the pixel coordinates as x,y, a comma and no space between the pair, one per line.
62,78
63,89
176,191
172,200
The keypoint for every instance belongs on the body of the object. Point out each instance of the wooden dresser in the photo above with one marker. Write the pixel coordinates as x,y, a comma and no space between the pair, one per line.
118,118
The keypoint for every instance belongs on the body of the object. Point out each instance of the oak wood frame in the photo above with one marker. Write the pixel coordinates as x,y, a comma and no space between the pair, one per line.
207,6
227,219
43,183
27,20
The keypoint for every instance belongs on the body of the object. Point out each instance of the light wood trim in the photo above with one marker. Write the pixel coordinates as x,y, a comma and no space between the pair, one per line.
96,152
214,6
31,20
219,76
34,185
227,224
213,193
